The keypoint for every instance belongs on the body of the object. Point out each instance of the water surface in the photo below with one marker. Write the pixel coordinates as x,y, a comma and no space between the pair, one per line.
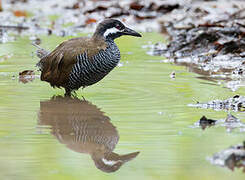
139,107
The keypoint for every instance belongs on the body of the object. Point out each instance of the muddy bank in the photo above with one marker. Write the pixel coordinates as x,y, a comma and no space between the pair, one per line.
64,18
208,38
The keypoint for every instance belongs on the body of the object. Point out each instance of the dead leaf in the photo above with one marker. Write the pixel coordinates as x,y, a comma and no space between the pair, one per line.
26,73
26,76
74,6
90,21
96,9
136,6
19,13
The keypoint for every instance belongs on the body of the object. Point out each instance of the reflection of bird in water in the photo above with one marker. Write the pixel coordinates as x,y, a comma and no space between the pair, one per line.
84,129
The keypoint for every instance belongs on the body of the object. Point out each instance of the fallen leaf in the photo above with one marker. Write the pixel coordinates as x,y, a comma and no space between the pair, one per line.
90,21
74,6
205,122
96,9
26,73
136,6
26,76
19,13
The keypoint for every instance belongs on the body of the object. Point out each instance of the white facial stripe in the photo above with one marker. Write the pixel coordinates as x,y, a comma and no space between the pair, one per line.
111,31
108,162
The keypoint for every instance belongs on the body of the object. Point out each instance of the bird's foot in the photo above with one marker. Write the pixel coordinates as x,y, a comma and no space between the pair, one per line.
68,93
74,94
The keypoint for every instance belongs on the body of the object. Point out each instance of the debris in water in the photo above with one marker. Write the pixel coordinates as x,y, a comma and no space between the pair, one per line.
233,157
160,112
231,119
40,51
204,122
230,123
236,103
5,57
208,37
120,64
26,76
172,75
35,40
26,73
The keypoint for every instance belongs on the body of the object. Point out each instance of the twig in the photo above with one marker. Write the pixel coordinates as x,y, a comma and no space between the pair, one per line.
41,53
34,44
237,13
13,27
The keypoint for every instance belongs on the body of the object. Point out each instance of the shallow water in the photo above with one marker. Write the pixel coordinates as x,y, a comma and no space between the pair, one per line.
41,137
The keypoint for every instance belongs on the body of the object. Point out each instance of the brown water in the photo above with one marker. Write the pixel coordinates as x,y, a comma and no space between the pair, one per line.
136,108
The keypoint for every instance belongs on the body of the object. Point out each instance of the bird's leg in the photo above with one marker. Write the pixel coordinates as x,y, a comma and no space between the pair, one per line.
68,92
74,95
84,98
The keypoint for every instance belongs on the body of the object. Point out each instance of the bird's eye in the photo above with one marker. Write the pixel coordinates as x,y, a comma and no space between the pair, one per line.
118,27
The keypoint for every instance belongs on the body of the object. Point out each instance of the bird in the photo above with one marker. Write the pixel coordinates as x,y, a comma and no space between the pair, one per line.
83,61
84,128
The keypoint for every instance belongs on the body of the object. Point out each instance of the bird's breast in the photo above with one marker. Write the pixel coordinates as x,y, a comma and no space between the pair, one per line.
89,70
106,60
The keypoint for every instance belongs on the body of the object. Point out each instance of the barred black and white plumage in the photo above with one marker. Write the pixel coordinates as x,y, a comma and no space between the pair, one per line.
83,61
88,71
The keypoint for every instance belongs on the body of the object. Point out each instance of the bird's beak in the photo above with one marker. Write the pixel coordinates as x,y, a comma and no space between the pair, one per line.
130,32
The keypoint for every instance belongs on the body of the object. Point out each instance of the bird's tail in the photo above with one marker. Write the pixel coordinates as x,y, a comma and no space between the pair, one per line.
41,53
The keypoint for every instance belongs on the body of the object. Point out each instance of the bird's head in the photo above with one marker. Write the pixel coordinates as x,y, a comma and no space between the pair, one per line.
112,29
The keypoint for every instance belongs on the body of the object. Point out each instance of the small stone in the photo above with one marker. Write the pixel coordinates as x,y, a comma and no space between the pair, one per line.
205,122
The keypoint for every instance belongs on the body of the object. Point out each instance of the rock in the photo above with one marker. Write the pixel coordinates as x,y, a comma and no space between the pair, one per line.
233,157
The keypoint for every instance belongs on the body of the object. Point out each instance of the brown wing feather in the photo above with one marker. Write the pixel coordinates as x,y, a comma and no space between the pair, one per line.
57,65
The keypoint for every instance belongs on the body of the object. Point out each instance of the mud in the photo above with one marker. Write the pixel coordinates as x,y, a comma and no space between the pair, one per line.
67,18
208,38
